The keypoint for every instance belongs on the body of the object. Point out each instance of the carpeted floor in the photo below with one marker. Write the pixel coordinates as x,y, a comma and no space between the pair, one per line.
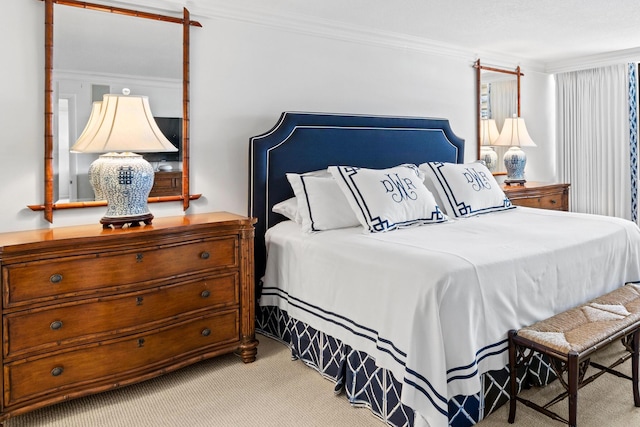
276,391
606,402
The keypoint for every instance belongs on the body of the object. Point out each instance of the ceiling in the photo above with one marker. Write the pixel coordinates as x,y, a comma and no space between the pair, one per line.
549,33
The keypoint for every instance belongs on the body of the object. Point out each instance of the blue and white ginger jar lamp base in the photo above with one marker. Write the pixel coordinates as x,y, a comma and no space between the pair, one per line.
515,160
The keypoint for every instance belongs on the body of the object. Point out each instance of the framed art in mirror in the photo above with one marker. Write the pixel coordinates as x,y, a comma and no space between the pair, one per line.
497,98
78,77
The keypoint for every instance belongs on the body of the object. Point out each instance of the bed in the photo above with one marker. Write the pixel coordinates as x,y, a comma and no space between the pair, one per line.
412,322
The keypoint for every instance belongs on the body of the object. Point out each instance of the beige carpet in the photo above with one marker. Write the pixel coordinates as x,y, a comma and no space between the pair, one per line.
606,402
276,391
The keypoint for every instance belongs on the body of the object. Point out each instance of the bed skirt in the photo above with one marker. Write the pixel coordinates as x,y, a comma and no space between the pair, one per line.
365,384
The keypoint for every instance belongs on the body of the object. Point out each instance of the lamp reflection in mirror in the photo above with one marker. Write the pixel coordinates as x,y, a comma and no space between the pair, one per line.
514,134
488,135
123,127
90,129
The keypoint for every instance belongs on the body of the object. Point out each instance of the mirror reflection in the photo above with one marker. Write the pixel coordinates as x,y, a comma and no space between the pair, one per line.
498,99
97,53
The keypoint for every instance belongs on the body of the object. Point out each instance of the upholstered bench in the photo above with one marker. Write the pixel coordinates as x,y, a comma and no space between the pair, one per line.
570,338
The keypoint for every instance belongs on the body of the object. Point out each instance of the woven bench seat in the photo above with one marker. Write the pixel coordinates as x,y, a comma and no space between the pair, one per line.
571,337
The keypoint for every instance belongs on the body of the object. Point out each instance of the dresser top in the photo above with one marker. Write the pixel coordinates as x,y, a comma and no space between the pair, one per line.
96,230
533,185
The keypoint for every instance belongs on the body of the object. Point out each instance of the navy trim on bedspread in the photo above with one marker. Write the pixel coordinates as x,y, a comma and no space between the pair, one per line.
424,386
367,385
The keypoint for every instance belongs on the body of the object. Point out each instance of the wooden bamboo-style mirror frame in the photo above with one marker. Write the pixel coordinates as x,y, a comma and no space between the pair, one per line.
517,72
49,205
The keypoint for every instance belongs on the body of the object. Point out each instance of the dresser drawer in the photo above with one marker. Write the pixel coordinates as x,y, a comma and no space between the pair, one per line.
551,201
29,282
73,323
554,196
114,360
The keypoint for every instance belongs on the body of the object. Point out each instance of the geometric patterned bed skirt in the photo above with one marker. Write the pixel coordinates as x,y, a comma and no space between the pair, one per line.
365,384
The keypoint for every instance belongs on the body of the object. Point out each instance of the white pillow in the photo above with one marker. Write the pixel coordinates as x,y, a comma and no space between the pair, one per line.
386,199
321,204
289,209
466,189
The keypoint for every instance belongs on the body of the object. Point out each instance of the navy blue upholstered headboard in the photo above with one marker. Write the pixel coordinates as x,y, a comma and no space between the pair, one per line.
302,142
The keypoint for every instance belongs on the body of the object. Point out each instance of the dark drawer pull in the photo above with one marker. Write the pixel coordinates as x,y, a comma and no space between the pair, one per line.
55,278
553,202
205,255
205,294
139,257
206,332
55,325
57,371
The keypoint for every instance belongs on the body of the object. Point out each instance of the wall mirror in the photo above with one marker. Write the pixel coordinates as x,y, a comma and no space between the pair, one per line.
96,53
497,98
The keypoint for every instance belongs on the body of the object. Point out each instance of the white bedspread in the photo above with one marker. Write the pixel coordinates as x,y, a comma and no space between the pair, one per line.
433,304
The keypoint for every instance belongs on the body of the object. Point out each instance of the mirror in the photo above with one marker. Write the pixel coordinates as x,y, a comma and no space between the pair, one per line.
97,53
90,60
498,97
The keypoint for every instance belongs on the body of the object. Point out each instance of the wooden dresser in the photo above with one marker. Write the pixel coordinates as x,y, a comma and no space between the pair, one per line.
542,195
86,310
166,184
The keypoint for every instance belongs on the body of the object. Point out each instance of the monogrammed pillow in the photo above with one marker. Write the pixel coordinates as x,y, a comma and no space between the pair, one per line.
465,189
386,199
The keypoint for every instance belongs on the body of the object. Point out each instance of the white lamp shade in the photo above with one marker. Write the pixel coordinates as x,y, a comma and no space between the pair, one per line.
90,128
124,124
514,133
488,132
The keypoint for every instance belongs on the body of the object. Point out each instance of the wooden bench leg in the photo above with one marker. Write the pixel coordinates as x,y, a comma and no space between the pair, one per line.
513,377
572,384
635,347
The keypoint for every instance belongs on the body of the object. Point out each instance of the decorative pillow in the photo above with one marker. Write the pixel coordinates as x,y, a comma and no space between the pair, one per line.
386,199
289,209
321,204
466,189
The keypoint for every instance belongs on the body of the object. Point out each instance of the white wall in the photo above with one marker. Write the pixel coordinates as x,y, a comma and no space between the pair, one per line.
243,75
538,110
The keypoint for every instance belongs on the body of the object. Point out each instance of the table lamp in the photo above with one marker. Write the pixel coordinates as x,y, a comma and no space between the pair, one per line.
514,134
123,126
488,135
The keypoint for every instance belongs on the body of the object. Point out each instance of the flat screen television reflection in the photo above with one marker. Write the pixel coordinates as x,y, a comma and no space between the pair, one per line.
171,127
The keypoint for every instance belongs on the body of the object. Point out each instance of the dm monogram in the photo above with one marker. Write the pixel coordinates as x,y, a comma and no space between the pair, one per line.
400,188
478,180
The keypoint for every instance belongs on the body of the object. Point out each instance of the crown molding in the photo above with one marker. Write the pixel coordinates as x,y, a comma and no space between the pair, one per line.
594,61
305,24
329,29
318,27
124,79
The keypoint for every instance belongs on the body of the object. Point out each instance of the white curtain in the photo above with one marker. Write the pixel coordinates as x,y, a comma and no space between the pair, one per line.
503,100
503,103
593,139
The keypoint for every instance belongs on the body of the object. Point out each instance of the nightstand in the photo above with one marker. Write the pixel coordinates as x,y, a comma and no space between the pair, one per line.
543,195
